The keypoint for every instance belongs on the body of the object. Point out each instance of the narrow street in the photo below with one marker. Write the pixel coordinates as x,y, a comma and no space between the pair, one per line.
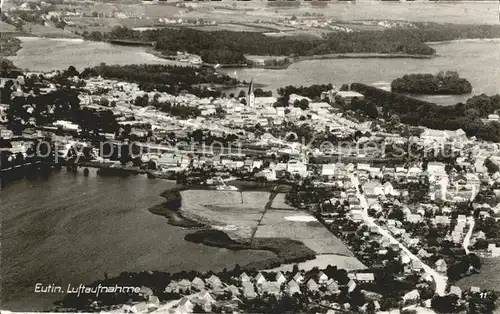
440,280
467,237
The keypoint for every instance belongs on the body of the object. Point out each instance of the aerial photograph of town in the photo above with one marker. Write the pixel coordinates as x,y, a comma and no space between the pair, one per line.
250,156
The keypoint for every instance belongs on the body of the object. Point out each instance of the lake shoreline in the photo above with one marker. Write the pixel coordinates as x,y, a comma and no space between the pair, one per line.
170,209
287,250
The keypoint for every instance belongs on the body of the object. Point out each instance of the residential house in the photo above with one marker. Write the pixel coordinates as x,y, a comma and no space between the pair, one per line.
184,285
153,301
423,253
495,252
248,290
388,188
198,284
172,287
205,300
185,305
332,287
436,169
219,290
413,295
322,278
328,171
365,277
461,220
348,96
416,265
234,290
280,278
441,266
444,220
298,277
312,285
213,281
244,277
295,167
456,291
351,285
271,287
401,174
389,173
414,218
260,279
373,189
293,287
414,174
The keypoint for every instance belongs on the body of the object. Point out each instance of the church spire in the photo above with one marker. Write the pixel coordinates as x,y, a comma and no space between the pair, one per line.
250,95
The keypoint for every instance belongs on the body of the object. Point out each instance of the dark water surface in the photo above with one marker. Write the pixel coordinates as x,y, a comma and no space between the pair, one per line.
70,229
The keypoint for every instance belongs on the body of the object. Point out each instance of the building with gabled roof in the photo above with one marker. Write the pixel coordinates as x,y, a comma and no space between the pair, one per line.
248,290
198,284
365,277
441,265
298,277
234,290
351,285
280,278
260,279
293,287
456,291
271,287
184,285
332,287
244,277
413,295
322,277
312,285
185,305
213,281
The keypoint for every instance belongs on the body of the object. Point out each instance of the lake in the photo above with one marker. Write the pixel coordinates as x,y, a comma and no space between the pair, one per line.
71,229
476,60
47,54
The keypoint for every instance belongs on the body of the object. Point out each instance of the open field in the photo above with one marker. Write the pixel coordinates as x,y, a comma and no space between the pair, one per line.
312,233
230,27
279,202
479,12
487,279
9,45
237,213
242,215
7,28
48,31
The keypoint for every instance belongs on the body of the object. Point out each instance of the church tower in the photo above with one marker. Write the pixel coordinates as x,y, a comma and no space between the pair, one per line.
250,95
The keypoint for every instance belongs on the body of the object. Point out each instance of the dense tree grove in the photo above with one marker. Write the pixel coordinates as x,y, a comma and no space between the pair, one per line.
421,113
313,91
177,110
491,166
442,83
7,69
230,47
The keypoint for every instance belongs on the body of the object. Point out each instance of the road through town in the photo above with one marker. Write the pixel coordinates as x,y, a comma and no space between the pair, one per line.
440,280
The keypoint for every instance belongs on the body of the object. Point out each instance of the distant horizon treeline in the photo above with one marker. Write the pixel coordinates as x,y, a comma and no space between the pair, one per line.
230,47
